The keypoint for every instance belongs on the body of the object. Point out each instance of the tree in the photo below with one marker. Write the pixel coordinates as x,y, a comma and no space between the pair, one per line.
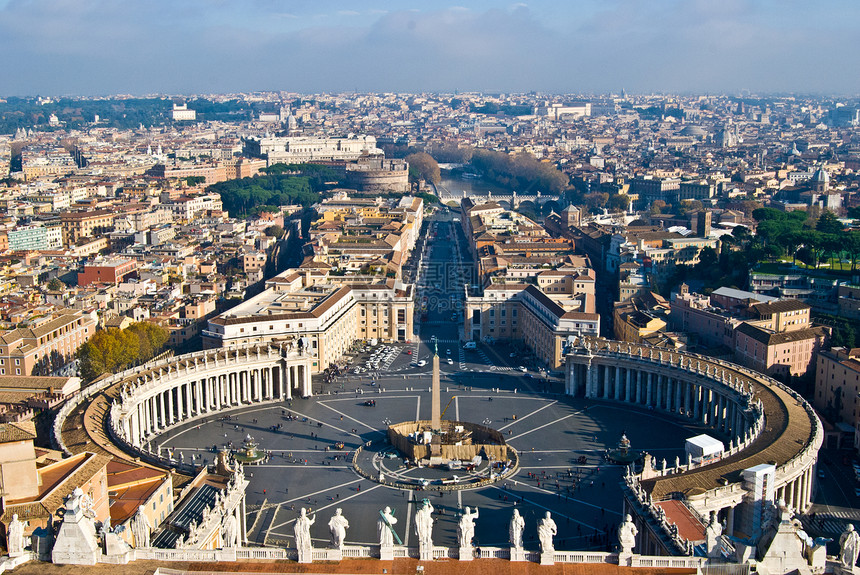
113,350
828,223
274,231
618,202
56,284
657,206
424,166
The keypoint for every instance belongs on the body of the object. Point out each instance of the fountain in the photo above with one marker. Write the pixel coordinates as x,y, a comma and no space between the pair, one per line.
622,454
249,454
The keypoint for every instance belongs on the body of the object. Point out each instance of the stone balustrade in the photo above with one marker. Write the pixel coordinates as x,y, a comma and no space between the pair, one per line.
150,399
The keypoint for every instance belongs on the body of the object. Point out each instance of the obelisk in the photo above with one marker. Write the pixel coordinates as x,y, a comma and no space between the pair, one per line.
436,402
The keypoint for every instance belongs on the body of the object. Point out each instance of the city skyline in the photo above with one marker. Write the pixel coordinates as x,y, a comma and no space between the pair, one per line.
95,47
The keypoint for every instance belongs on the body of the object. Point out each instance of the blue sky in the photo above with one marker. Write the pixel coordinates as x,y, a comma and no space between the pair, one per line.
94,47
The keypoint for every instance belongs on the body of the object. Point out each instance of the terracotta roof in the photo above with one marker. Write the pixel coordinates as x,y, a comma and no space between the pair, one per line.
21,431
775,338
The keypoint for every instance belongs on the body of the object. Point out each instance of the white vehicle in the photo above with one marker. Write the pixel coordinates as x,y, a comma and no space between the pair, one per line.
374,342
422,363
450,361
522,369
470,345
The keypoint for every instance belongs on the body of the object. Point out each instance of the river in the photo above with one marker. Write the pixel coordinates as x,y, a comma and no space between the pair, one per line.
453,187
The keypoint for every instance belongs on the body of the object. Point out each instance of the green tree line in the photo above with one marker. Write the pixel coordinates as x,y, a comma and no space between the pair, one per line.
282,185
112,350
779,235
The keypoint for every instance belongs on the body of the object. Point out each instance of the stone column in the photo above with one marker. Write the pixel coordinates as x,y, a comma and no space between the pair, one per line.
640,389
629,394
591,381
679,387
650,393
617,383
697,390
670,394
308,391
659,391
170,413
258,380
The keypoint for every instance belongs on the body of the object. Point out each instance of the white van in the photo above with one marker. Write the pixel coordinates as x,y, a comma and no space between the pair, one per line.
470,345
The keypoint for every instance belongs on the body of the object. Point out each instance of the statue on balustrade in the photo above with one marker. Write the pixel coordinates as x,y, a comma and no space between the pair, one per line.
547,529
338,525
849,547
424,524
713,532
466,527
302,530
140,528
231,531
15,537
515,530
627,535
385,528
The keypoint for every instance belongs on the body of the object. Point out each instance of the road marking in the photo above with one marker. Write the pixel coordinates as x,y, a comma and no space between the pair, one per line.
519,419
408,517
323,403
418,408
555,511
334,503
544,425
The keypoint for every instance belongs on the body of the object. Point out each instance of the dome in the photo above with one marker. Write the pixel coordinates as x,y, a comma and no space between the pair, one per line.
821,176
695,131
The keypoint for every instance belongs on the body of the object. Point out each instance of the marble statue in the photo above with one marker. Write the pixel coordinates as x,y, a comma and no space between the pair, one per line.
627,534
231,533
849,547
140,528
424,524
712,537
338,525
302,531
15,537
385,527
466,527
515,529
547,529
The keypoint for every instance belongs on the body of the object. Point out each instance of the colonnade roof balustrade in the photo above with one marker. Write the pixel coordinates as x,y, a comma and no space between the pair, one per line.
82,424
790,425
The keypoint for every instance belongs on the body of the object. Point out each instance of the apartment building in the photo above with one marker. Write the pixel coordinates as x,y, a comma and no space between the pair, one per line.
522,312
837,387
78,225
21,349
310,312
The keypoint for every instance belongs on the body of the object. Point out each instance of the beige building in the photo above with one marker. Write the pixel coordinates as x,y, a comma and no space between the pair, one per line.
781,342
837,387
312,312
78,225
522,312
24,348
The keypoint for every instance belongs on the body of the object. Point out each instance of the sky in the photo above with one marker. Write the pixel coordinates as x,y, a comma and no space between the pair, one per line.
103,47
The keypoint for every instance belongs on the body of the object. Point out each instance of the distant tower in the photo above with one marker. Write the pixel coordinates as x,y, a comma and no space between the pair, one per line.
571,216
703,223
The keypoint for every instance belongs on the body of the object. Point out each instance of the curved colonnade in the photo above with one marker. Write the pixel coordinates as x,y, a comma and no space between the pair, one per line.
148,400
766,422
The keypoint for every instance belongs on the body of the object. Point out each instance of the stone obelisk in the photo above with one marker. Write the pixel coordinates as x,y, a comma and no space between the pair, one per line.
436,403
